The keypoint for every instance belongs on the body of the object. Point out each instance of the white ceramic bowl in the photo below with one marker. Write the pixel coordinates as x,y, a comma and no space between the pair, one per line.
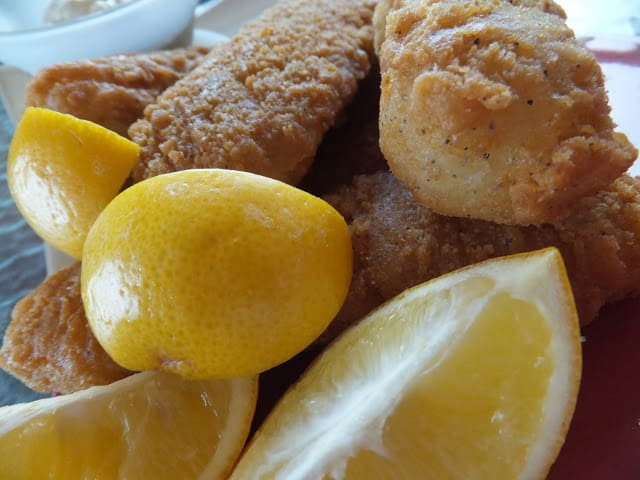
138,25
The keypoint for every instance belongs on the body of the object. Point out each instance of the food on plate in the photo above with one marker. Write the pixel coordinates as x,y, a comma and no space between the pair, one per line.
111,91
48,344
150,425
472,375
62,171
399,243
262,101
385,6
211,273
495,111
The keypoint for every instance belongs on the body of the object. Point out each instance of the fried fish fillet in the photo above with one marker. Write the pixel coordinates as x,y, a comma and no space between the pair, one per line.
262,101
111,91
399,243
49,345
495,111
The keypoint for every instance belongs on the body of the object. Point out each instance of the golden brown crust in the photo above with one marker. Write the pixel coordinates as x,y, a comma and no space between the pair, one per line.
398,243
111,91
385,6
262,101
48,344
494,111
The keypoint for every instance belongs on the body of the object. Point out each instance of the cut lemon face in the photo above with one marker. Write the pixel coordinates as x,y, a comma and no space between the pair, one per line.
471,375
149,425
62,172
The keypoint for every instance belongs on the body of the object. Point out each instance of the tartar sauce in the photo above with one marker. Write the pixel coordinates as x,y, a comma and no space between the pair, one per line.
62,10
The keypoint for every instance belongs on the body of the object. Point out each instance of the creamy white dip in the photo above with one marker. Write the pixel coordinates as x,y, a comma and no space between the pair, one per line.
63,10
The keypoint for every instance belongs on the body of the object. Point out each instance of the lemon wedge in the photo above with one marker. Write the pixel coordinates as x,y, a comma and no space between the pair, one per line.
473,375
149,425
62,171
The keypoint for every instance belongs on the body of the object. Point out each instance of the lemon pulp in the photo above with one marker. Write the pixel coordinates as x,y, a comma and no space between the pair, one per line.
149,425
472,375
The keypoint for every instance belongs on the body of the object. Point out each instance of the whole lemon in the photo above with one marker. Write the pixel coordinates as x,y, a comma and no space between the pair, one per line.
213,273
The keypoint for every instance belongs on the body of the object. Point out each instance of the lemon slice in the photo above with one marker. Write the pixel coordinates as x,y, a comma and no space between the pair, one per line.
62,172
472,375
149,425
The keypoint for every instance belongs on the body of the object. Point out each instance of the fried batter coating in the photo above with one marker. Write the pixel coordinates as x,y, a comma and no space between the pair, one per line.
385,6
262,101
48,344
495,111
399,243
111,91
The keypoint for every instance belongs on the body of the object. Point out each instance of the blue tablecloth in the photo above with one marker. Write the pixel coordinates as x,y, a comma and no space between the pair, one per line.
22,264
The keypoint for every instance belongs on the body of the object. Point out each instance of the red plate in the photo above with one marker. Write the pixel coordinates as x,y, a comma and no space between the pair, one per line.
604,437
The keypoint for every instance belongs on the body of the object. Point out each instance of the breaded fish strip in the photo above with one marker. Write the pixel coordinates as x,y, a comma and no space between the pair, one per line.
398,243
495,111
48,344
262,101
111,91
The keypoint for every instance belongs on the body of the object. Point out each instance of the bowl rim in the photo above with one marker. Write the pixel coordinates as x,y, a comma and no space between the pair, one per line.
70,24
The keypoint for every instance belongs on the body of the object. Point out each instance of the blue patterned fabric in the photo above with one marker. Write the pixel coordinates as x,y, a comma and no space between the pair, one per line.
22,264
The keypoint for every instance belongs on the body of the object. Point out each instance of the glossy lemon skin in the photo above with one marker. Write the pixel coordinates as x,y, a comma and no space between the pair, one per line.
62,172
213,273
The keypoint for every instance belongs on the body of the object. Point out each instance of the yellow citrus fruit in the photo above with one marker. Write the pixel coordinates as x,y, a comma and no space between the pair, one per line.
213,273
472,375
149,425
62,172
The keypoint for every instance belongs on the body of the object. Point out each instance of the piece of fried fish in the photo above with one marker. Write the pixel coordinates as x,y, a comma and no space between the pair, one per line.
262,101
111,91
49,345
495,111
398,243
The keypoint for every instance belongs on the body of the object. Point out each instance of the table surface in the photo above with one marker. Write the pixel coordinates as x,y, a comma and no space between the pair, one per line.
22,264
